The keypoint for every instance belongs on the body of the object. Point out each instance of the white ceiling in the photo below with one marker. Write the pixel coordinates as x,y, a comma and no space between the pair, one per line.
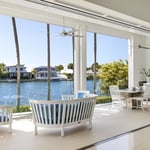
131,13
139,9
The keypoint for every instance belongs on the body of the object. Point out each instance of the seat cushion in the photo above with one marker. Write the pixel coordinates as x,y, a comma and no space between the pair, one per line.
80,95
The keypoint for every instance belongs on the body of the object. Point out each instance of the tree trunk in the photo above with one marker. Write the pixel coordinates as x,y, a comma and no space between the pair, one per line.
48,63
18,62
73,47
95,53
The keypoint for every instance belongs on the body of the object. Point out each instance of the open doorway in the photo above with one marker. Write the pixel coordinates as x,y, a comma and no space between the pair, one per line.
109,49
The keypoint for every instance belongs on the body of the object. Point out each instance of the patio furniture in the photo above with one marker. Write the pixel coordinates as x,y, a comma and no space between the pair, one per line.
117,99
62,113
141,101
129,93
79,94
6,116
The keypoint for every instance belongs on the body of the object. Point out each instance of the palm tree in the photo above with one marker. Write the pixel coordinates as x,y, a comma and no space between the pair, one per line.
59,68
95,53
18,62
70,66
48,61
33,73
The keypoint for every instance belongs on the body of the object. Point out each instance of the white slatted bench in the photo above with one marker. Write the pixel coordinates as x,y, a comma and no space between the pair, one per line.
6,116
62,113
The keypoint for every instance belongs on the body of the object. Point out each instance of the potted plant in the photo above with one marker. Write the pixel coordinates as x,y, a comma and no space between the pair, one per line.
147,74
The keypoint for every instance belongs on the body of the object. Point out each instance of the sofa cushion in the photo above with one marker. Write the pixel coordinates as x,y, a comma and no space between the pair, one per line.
81,94
58,113
50,112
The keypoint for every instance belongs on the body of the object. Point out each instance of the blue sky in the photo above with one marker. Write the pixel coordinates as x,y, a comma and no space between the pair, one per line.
33,45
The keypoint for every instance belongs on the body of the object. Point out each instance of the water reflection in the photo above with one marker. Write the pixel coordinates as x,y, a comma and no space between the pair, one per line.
136,140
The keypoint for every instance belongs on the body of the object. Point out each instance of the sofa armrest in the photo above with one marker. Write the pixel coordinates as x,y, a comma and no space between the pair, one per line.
6,115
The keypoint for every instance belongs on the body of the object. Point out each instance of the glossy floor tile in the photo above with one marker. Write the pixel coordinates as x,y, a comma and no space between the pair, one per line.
134,140
108,126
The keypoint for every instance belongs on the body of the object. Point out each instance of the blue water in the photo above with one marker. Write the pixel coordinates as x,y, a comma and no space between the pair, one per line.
36,90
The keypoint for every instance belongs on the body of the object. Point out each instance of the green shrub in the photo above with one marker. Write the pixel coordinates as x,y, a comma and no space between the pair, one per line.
103,99
22,109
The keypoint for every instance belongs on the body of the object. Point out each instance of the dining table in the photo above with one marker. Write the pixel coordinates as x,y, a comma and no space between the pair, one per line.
129,93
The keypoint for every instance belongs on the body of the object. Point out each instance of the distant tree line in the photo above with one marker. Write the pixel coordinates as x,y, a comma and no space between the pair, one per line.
114,73
70,66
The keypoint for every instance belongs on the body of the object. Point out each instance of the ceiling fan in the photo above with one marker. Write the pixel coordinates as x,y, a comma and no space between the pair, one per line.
141,47
69,33
144,47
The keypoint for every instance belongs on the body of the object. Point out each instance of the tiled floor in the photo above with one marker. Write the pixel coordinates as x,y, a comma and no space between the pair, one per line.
134,140
108,132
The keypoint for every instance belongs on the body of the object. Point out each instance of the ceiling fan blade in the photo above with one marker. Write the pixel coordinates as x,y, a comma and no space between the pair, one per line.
74,35
64,33
78,36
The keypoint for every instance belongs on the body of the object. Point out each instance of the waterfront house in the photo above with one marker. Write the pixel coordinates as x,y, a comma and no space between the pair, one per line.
42,73
12,72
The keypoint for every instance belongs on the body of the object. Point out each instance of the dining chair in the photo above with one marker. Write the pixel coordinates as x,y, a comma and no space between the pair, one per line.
117,99
142,101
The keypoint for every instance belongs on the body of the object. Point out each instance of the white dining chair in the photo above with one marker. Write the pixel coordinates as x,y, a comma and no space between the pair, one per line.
117,99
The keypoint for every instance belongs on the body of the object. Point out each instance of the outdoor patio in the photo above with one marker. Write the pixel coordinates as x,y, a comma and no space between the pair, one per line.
107,123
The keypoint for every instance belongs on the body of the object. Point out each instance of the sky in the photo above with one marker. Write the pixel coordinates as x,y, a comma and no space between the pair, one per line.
32,37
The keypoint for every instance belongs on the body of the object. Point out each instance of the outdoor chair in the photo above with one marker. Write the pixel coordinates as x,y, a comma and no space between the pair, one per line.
6,116
117,99
62,113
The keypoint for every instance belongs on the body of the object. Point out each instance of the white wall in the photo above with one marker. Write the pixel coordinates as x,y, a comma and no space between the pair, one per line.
147,53
137,60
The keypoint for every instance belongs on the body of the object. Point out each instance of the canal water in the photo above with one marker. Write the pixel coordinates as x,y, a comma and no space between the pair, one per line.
37,90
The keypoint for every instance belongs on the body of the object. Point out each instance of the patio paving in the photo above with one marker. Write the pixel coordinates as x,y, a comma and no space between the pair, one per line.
106,124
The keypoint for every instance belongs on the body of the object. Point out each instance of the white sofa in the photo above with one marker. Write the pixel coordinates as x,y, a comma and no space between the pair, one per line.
62,113
6,116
